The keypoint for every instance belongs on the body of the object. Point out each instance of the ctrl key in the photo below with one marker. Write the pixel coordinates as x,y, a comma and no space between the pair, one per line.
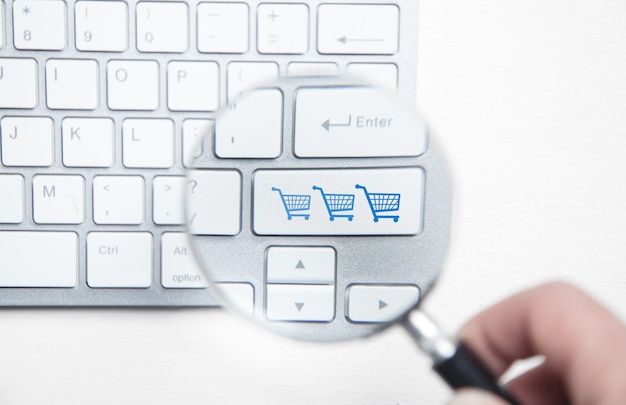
119,259
38,259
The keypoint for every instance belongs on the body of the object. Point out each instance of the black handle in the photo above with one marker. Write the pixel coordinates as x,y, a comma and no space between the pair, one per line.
465,370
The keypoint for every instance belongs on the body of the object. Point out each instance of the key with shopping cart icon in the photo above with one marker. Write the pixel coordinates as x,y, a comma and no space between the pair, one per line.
323,201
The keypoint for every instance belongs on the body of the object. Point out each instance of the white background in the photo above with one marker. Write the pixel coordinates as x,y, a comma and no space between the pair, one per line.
529,100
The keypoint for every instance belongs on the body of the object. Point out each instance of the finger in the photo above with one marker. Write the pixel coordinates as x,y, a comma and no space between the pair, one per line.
583,342
538,386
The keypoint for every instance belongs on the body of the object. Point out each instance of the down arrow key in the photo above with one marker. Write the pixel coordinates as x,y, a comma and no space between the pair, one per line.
300,302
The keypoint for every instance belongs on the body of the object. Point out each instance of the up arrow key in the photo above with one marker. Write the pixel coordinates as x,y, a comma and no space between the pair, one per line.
300,265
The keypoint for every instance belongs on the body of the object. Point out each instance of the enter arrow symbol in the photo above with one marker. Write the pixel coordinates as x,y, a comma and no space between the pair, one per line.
381,304
299,305
327,124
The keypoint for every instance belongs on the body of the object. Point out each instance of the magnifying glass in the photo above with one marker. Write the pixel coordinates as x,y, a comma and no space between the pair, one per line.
319,208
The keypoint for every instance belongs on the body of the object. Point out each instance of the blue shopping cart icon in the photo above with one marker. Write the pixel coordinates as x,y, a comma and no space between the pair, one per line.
295,203
382,202
337,203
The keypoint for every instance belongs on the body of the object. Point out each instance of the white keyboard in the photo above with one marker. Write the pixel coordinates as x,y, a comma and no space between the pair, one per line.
100,105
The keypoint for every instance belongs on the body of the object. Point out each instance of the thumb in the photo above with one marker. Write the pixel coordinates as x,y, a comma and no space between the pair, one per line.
467,396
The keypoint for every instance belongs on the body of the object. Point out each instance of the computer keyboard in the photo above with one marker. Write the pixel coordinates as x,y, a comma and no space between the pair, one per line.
100,106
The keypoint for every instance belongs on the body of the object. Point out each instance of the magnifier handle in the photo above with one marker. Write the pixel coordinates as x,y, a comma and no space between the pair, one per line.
453,361
465,369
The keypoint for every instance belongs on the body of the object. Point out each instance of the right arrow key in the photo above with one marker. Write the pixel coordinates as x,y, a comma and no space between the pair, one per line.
379,302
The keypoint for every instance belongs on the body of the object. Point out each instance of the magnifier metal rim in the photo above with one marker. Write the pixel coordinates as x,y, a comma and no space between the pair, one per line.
421,255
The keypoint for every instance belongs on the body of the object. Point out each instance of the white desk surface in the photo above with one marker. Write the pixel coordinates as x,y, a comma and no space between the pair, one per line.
529,100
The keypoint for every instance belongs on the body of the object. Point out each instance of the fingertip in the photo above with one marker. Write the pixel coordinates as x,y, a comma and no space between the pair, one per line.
468,396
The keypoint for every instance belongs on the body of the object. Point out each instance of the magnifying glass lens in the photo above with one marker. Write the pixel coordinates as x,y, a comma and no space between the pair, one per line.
318,207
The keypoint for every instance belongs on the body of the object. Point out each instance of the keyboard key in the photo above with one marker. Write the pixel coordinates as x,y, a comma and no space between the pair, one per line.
148,143
18,83
72,84
101,26
306,265
179,268
338,202
380,303
283,28
384,75
39,25
195,131
167,200
223,27
355,122
27,141
237,132
162,26
58,199
12,201
244,76
312,69
133,85
88,142
193,86
240,296
312,303
1,25
119,259
38,259
358,29
118,200
214,205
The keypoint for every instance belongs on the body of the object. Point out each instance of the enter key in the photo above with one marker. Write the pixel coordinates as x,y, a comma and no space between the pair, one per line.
355,122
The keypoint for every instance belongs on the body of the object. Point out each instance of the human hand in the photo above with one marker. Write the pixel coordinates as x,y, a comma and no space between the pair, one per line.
583,343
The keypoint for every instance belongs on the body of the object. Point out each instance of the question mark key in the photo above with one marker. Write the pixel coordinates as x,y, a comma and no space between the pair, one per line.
215,201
